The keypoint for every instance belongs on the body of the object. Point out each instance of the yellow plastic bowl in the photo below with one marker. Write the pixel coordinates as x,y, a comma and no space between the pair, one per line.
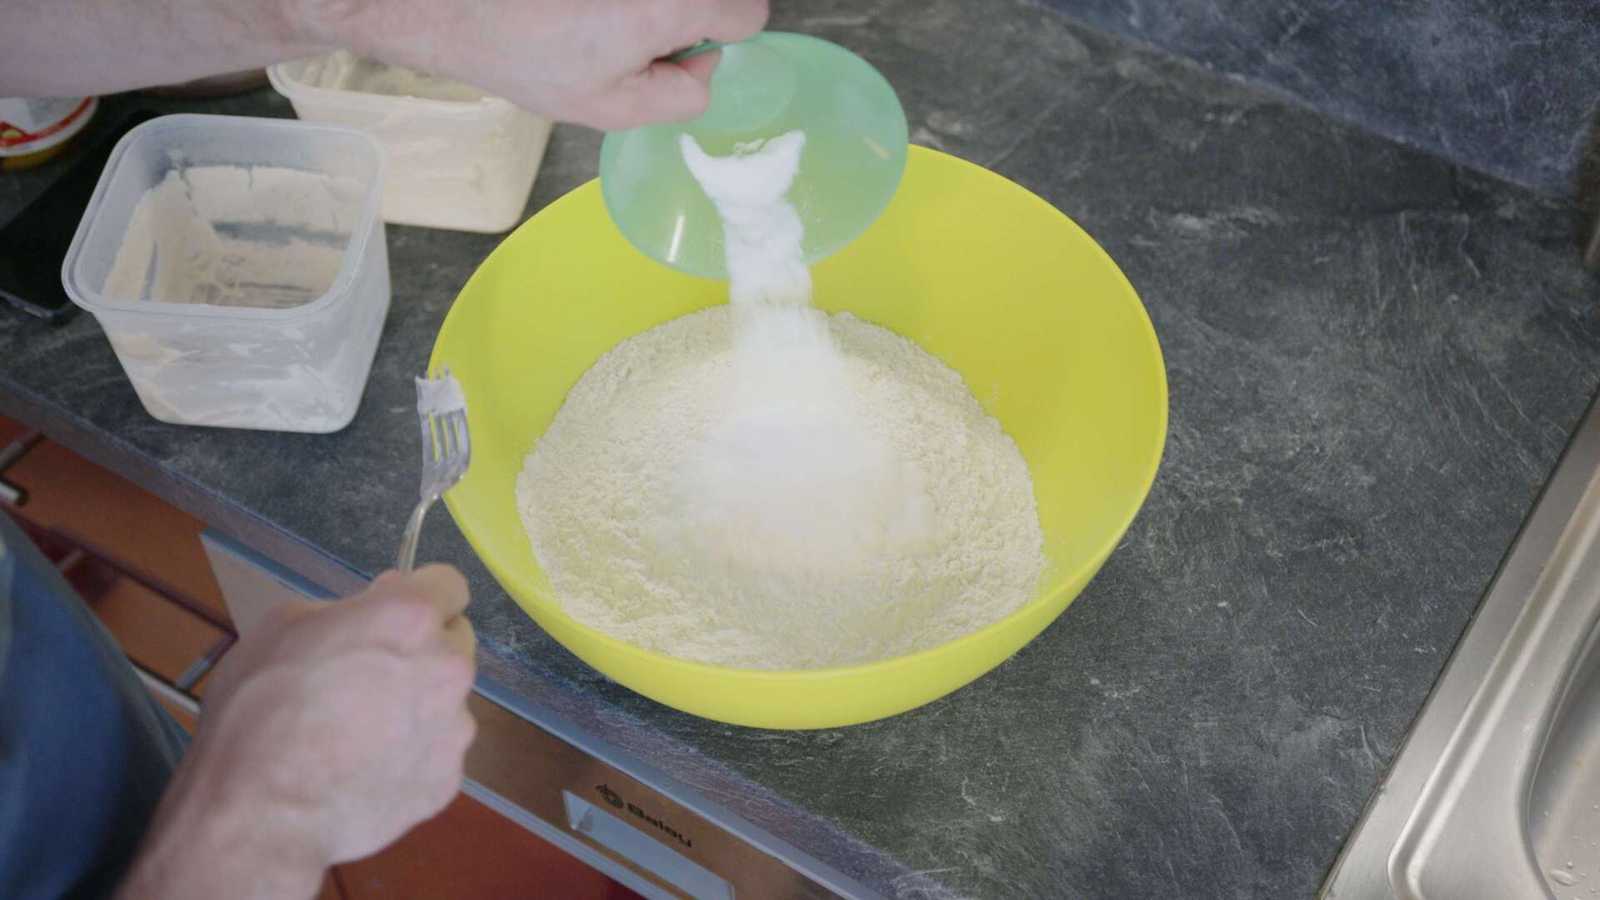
998,284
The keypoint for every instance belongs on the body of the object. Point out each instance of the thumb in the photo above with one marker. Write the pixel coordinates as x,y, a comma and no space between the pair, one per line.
663,92
701,65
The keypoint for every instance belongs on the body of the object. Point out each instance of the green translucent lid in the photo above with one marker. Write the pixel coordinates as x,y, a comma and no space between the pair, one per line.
765,86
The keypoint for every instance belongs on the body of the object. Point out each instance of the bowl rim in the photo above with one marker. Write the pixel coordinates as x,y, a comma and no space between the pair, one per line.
1047,593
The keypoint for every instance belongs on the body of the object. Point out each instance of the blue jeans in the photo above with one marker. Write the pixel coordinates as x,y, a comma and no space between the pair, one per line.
85,752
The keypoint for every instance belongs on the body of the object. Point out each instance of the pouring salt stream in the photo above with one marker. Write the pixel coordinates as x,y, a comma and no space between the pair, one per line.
761,485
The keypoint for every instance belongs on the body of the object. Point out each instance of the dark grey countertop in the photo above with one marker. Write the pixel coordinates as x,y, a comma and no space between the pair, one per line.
1375,359
1508,88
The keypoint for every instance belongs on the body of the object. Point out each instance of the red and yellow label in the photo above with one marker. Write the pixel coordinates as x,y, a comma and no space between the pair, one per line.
17,137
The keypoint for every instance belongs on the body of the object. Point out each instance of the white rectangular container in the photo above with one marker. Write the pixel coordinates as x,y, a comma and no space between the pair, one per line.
457,158
268,346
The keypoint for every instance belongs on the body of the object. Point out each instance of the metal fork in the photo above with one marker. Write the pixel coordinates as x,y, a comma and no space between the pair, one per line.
446,452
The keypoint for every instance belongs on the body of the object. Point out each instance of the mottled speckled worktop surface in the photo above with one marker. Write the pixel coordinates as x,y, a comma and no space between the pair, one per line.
1375,360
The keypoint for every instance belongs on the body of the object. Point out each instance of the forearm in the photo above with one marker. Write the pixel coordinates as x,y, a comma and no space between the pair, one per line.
82,47
596,62
208,840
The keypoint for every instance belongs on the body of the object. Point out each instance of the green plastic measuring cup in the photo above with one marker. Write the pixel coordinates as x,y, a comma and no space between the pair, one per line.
765,86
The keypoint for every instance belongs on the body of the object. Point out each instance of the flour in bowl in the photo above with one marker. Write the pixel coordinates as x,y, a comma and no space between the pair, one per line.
762,486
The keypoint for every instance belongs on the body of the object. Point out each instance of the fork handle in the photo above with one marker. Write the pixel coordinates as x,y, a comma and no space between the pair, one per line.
407,559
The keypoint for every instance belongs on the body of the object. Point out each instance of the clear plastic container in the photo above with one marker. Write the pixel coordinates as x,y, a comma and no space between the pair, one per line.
457,158
259,338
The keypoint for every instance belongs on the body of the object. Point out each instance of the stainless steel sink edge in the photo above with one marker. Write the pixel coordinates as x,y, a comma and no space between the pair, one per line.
1468,835
1386,856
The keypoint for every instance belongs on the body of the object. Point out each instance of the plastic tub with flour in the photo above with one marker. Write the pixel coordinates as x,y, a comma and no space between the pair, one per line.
239,269
458,158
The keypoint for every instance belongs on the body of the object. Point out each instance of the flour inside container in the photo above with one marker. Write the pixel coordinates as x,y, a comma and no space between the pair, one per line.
254,236
246,251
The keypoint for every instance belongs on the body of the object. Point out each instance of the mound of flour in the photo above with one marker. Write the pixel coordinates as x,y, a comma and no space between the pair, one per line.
607,499
761,487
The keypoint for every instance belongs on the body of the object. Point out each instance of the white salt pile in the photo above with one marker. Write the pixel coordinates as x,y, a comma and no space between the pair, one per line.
788,473
763,487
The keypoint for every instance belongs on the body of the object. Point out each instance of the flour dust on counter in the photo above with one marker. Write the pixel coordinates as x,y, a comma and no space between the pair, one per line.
763,486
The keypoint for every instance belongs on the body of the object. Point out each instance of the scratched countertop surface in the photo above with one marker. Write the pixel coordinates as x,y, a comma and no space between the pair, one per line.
1375,360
